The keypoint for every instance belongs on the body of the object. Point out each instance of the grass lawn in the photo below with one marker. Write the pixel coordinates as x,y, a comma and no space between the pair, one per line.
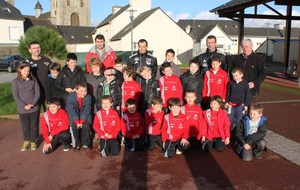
8,105
280,88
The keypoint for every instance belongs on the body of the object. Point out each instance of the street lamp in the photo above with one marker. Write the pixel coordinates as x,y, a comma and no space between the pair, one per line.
131,28
267,45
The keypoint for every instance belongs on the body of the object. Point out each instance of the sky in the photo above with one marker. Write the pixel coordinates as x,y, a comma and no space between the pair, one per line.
176,9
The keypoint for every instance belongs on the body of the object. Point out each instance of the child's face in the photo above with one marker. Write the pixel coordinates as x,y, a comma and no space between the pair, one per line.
175,110
190,98
193,68
169,57
25,72
214,105
131,108
168,71
72,64
81,92
108,75
215,65
53,108
146,74
156,108
237,76
119,66
254,115
106,104
54,73
126,77
95,69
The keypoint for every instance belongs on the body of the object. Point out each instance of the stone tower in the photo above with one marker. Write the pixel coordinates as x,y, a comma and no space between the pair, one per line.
12,2
38,9
70,12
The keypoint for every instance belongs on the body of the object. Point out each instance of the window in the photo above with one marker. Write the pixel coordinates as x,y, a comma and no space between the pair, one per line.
14,33
81,3
68,2
74,19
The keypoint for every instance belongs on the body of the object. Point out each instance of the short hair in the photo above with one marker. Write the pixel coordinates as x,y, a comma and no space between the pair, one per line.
118,61
195,61
55,66
143,41
257,107
55,101
144,68
211,37
216,58
245,41
190,91
81,84
33,43
100,37
130,101
170,51
130,71
71,56
157,100
165,65
94,61
218,99
107,97
174,102
240,71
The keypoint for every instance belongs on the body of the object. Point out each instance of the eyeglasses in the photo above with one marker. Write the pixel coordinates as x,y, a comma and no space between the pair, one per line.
110,75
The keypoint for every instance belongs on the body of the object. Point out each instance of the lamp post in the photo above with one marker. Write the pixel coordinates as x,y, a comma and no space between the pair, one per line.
131,28
267,44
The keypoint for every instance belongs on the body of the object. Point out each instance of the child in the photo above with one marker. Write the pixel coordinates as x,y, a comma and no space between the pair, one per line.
170,85
51,90
250,133
238,97
55,127
130,88
26,92
132,126
174,130
215,82
216,126
194,118
69,76
110,85
149,86
78,107
169,57
119,66
153,121
192,79
107,126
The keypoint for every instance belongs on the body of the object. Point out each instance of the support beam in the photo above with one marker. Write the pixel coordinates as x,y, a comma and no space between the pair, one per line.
287,41
241,31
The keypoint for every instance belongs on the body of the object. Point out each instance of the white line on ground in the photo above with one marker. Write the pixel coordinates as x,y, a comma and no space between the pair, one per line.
279,101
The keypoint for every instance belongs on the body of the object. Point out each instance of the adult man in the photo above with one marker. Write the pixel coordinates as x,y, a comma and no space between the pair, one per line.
253,67
204,59
143,58
103,52
39,67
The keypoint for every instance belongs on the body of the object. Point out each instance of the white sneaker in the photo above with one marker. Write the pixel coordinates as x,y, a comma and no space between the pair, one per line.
66,149
178,151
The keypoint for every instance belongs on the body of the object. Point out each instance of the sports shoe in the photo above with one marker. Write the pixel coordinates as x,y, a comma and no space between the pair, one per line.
33,146
25,146
178,151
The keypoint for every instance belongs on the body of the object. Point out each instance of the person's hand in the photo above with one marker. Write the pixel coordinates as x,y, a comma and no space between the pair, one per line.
247,146
164,144
203,139
226,105
28,106
70,90
79,126
184,142
227,141
107,135
46,147
50,138
251,85
245,108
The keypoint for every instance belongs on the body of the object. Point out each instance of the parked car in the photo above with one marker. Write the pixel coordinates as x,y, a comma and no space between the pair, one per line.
10,63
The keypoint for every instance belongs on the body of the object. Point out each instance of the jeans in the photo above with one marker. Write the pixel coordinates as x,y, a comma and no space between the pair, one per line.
30,123
235,114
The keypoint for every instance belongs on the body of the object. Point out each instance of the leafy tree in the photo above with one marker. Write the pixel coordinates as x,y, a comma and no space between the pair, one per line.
52,44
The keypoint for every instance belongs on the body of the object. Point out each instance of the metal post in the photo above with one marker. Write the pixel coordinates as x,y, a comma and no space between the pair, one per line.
267,44
131,28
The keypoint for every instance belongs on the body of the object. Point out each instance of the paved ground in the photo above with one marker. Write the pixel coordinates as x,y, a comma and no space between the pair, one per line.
7,77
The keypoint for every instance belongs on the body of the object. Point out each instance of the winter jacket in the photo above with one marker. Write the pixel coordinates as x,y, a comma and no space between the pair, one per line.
153,121
132,124
194,119
193,82
149,89
130,89
170,87
51,90
238,93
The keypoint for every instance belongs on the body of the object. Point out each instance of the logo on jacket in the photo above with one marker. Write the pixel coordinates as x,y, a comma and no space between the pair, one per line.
132,93
137,123
204,63
46,63
148,61
60,124
136,60
113,123
219,81
180,126
195,117
174,88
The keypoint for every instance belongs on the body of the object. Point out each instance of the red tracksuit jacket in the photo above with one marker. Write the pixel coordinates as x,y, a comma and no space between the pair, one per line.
132,124
153,121
53,124
215,84
107,122
130,89
174,128
194,118
170,87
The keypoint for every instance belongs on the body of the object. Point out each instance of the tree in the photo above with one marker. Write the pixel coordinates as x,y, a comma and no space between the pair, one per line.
52,44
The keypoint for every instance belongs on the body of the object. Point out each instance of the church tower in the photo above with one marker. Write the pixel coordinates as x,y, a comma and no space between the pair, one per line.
70,12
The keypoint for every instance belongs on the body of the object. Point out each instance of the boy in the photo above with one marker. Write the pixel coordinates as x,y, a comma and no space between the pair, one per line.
149,86
119,66
107,126
215,82
69,76
78,107
238,97
55,127
250,133
170,85
153,121
193,114
192,79
51,90
130,88
216,126
169,57
132,126
110,85
174,130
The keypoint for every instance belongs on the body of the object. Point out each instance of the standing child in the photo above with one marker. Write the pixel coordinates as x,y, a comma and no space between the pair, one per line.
170,85
169,57
26,93
174,130
107,126
55,127
215,82
238,97
250,133
216,126
51,90
153,121
78,107
132,126
130,88
119,66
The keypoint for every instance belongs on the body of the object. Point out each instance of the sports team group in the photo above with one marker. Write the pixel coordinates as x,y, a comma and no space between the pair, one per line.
140,105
